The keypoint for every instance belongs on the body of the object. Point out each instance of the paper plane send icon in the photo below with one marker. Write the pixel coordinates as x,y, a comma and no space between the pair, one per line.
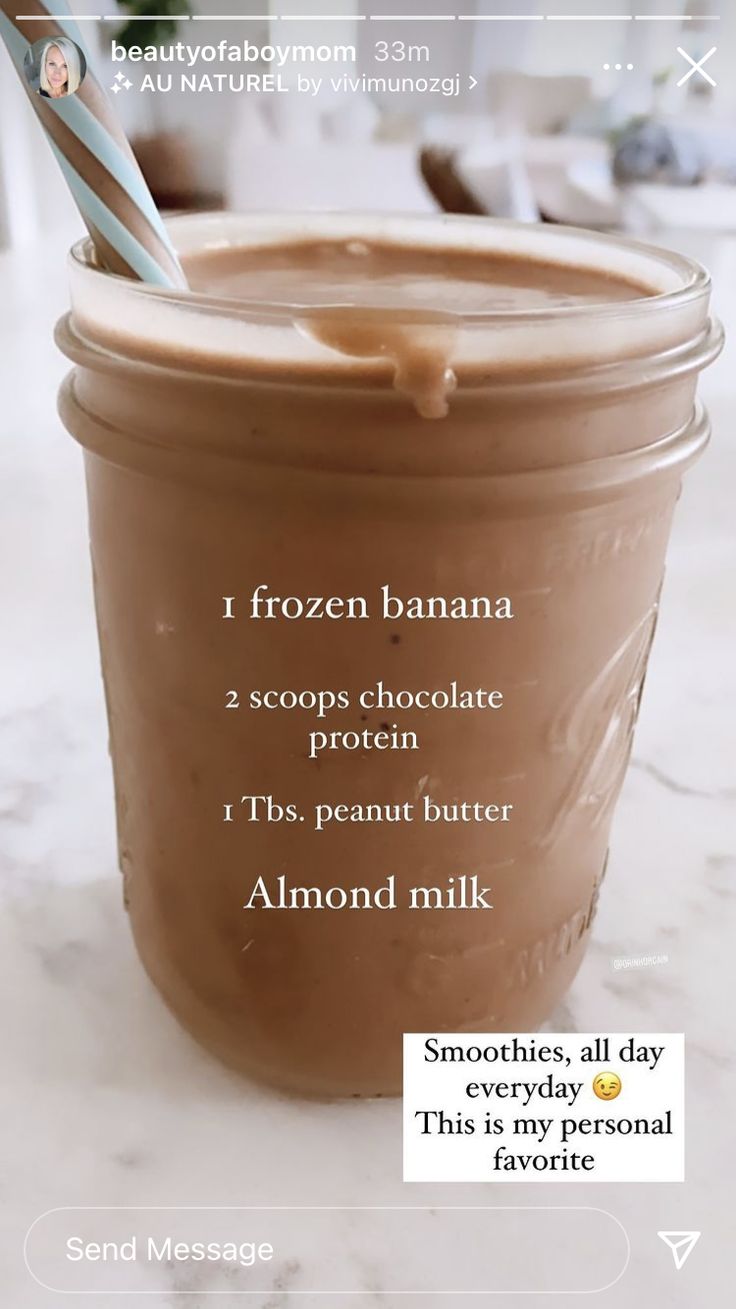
681,1244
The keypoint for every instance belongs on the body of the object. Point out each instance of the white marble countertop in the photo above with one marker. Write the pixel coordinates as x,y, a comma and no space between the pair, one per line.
105,1101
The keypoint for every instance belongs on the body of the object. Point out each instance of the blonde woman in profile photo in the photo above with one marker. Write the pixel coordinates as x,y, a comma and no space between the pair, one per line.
60,71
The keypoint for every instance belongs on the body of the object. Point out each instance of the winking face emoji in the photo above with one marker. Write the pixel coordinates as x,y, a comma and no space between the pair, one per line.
607,1085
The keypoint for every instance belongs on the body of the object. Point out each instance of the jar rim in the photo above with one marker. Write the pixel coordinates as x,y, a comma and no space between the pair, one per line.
198,333
216,231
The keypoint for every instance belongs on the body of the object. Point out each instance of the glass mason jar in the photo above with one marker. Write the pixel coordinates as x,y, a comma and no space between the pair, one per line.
228,447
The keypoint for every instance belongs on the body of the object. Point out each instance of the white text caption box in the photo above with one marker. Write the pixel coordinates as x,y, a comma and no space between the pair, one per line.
477,1110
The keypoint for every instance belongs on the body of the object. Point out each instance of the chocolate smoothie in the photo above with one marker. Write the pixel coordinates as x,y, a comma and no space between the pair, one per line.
447,410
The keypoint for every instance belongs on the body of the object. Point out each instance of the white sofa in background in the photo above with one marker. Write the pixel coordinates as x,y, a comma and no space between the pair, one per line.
293,155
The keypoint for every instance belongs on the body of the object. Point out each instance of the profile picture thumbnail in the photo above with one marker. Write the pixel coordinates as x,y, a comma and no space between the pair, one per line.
54,67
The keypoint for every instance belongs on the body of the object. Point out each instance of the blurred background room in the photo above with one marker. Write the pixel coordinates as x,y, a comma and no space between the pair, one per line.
599,123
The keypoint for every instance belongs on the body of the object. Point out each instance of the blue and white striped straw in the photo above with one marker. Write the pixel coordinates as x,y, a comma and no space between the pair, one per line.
94,154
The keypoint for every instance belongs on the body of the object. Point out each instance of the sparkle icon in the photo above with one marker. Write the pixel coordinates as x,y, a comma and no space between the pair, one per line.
121,83
681,1245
